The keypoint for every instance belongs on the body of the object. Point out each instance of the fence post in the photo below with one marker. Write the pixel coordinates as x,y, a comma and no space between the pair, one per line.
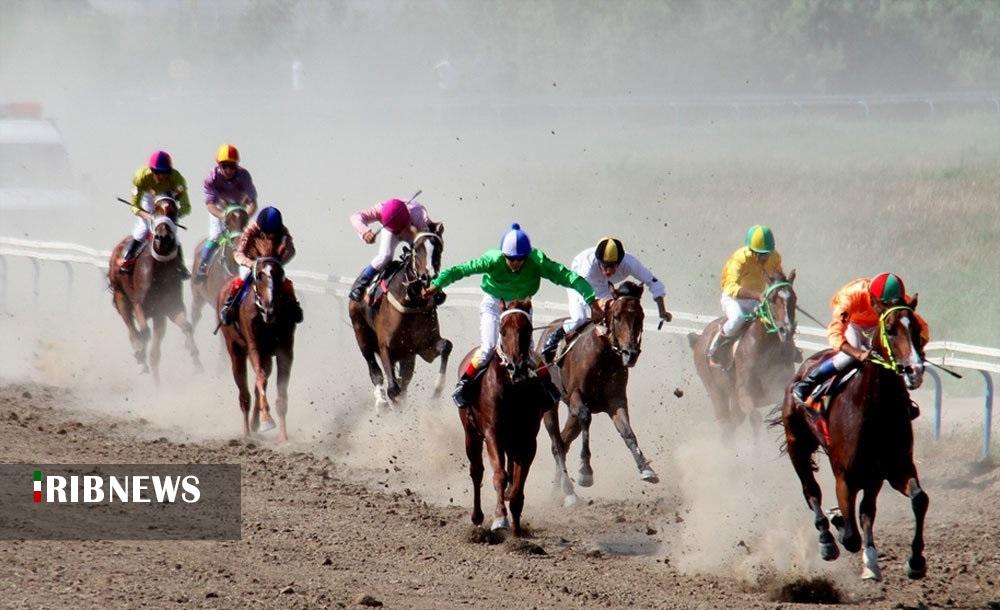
987,415
69,282
937,401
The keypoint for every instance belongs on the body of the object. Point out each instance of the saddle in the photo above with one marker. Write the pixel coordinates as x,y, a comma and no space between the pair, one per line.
818,403
380,285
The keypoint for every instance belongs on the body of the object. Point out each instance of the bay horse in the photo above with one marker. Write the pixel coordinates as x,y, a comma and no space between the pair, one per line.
506,417
152,292
223,267
761,362
404,325
870,441
264,330
594,370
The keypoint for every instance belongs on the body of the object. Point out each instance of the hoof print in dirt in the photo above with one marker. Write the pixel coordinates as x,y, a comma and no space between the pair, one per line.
481,535
363,599
816,590
523,547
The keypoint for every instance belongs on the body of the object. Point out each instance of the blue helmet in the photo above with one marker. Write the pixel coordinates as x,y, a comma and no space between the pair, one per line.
515,243
269,220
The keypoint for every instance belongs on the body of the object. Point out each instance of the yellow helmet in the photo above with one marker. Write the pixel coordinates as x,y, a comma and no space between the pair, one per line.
227,153
610,251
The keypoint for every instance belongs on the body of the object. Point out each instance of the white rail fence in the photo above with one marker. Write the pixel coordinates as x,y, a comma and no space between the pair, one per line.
985,360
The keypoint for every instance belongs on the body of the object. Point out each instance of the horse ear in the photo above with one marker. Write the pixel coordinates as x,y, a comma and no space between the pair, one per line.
439,229
614,289
913,301
791,277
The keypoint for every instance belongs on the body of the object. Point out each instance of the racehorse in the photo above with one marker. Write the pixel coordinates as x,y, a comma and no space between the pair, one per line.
403,325
223,267
506,417
152,292
761,362
264,329
870,441
594,370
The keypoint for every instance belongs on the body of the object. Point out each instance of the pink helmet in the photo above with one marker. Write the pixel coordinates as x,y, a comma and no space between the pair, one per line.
395,216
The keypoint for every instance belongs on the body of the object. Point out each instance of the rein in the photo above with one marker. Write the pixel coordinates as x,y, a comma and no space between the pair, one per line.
889,363
763,311
499,348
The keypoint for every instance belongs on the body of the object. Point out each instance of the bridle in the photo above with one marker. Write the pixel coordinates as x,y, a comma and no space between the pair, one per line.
610,322
512,369
765,314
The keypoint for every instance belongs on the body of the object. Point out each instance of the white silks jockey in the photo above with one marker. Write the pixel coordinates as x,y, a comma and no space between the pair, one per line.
602,266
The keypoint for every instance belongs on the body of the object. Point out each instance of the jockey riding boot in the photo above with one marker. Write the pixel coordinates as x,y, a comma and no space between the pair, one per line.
360,284
819,373
227,315
128,256
552,344
914,410
718,346
181,267
467,386
296,308
206,259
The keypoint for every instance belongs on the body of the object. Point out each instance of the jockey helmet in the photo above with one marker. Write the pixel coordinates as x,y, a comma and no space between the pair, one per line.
227,153
515,243
760,239
394,215
887,288
269,220
160,162
609,251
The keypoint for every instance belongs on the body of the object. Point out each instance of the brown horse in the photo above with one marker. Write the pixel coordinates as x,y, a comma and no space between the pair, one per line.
761,363
223,267
404,325
871,441
264,329
506,416
152,291
594,370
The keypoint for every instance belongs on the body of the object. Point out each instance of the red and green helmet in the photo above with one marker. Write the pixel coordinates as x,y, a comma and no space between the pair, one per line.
887,288
760,239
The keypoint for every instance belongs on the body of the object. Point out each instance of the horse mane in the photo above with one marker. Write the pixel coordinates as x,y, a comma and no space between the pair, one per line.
629,288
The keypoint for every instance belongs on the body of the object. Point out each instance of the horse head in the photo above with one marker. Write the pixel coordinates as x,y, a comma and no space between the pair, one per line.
164,239
624,317
777,312
900,344
425,262
235,218
514,345
165,206
268,278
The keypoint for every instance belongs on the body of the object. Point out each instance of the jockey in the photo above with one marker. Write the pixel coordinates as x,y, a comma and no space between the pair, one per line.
401,221
267,236
857,308
745,277
226,184
158,177
605,264
513,271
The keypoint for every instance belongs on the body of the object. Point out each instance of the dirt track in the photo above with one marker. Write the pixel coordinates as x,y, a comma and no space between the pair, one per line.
314,536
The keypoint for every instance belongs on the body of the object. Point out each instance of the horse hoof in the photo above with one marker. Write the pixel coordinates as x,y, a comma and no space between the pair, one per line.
649,476
500,523
829,552
916,568
570,501
870,569
265,425
143,369
585,480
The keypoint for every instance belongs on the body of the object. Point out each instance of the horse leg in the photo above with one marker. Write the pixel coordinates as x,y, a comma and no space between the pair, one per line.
124,308
261,419
582,412
619,415
142,328
500,521
197,303
562,481
521,464
474,451
441,349
392,389
180,319
847,524
870,571
159,329
406,366
908,485
283,359
238,357
801,446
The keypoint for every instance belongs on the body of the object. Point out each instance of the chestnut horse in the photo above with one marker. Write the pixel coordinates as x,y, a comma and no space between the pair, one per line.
761,362
264,329
594,370
404,325
506,416
223,267
152,292
871,441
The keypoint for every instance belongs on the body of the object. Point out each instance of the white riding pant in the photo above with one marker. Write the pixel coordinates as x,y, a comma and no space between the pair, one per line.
579,311
489,324
735,310
215,228
140,230
387,243
857,336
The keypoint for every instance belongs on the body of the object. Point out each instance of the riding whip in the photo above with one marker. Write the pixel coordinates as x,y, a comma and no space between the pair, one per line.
807,314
